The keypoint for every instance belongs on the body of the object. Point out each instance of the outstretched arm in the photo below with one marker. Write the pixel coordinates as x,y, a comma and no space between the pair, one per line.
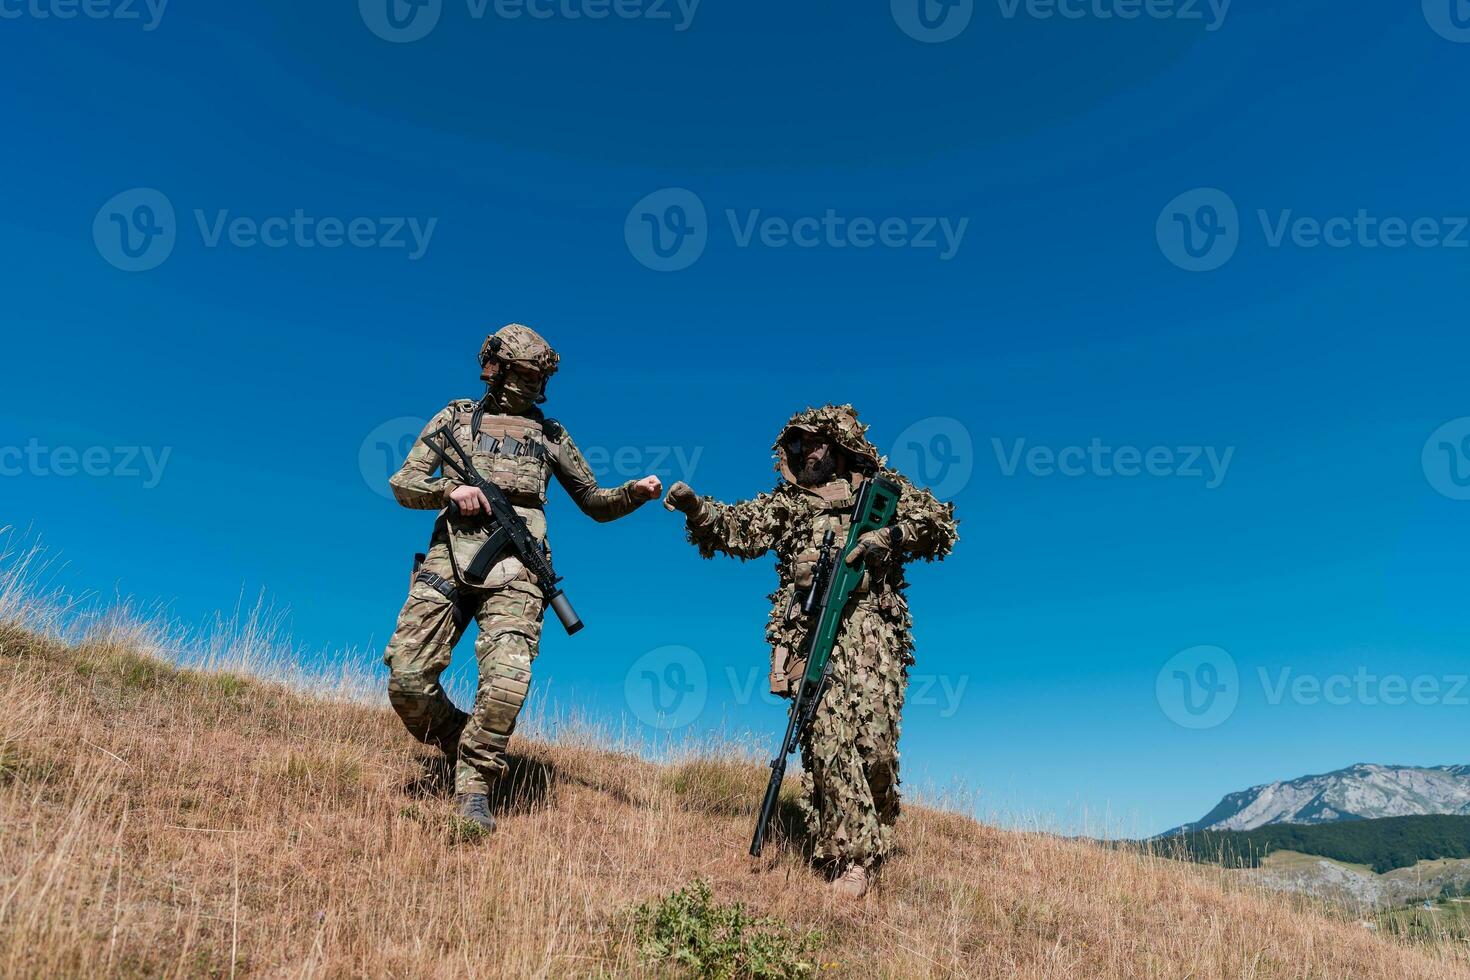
927,528
745,530
598,503
415,485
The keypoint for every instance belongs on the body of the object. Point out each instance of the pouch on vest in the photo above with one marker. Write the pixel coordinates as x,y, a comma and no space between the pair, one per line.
509,451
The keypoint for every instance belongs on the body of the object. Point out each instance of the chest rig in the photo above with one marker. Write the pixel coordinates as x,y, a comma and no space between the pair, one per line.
833,505
511,451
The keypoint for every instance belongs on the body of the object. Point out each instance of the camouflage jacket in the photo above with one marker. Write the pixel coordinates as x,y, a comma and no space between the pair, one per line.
416,484
791,521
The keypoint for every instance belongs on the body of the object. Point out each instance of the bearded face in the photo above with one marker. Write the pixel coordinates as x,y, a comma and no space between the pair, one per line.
813,459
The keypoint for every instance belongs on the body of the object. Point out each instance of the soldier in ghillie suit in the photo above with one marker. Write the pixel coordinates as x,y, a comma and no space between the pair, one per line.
850,752
517,448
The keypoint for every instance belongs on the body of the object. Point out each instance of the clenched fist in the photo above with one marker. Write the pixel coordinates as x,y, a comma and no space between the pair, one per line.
648,488
682,498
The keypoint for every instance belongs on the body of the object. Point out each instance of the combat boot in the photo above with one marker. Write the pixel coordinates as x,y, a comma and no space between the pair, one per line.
853,883
475,808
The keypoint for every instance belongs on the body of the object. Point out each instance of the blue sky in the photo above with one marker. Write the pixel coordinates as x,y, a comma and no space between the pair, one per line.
979,239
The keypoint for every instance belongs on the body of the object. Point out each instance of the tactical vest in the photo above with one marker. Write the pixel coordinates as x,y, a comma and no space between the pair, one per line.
511,452
834,504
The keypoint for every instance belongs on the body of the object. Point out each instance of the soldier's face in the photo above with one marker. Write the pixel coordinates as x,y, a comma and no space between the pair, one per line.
813,459
519,387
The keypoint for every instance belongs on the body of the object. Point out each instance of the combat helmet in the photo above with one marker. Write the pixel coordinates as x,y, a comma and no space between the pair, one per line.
838,423
516,343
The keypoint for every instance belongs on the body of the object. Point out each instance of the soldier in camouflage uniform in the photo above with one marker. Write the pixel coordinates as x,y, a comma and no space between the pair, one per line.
850,752
517,448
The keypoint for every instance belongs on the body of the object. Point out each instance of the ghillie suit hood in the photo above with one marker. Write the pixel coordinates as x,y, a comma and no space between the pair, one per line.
840,424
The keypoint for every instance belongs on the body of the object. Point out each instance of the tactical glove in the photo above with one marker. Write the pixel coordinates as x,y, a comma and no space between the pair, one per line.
875,547
681,497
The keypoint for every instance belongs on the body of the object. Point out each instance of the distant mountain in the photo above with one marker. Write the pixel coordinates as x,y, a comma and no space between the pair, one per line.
1361,792
1380,863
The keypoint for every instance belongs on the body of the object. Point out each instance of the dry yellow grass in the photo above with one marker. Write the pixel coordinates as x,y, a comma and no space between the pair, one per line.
159,822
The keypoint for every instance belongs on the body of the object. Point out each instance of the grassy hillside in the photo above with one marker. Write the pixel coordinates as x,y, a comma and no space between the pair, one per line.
161,822
1383,845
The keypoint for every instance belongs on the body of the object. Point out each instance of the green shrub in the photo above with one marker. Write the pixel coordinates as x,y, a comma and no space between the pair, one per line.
687,930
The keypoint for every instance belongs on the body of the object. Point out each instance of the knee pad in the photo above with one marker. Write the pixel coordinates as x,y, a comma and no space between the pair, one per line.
505,684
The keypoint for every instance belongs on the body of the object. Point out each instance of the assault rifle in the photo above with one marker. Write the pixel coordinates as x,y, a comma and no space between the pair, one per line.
508,531
832,585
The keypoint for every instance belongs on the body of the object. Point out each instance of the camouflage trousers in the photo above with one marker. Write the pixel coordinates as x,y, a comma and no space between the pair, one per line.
850,753
429,626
